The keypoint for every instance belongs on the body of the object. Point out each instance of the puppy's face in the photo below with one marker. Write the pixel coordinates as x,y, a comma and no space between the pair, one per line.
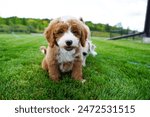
66,34
86,49
89,48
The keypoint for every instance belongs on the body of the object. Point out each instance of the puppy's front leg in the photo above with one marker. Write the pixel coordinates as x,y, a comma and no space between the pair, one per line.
77,70
54,71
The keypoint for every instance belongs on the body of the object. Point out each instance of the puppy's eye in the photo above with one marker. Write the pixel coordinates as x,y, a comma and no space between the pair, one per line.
60,32
75,32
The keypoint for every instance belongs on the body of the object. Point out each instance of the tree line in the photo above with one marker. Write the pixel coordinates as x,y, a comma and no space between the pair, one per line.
25,25
32,25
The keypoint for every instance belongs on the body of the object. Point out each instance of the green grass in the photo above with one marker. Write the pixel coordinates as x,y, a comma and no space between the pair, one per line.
121,70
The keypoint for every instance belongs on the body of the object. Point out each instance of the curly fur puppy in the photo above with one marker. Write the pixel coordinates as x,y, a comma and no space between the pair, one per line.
65,36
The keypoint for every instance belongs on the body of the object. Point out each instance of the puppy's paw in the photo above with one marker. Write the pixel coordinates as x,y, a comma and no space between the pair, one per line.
83,81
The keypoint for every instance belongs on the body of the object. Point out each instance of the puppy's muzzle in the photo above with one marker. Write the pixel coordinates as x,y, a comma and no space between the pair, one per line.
69,47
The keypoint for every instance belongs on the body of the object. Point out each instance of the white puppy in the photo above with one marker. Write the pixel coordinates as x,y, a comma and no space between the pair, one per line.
89,46
88,49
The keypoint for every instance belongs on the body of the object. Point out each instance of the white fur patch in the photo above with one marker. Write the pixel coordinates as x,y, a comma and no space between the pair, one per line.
92,49
66,56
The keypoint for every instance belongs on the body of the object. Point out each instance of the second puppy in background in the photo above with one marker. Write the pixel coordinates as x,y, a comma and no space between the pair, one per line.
89,46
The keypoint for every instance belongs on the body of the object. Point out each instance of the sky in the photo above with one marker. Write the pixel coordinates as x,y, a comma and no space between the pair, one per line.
131,13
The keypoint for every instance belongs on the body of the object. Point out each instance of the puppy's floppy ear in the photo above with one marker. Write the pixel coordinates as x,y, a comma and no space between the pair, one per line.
49,33
83,36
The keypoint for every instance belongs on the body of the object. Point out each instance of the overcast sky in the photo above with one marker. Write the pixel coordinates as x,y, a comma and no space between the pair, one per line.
131,13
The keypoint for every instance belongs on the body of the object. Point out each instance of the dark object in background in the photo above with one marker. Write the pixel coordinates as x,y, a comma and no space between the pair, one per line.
146,32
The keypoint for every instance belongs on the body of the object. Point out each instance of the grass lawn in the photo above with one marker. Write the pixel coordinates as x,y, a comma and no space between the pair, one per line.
121,70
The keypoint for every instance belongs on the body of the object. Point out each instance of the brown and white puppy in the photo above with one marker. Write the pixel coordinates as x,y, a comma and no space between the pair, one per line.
65,36
89,47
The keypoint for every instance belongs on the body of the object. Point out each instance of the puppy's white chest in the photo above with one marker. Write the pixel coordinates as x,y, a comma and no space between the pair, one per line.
65,59
66,56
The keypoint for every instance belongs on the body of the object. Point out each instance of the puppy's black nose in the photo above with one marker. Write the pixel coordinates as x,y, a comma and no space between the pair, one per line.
84,53
69,42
